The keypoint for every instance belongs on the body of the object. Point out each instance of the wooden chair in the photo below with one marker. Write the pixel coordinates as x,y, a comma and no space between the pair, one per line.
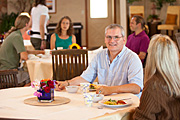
178,40
8,78
136,10
172,20
69,63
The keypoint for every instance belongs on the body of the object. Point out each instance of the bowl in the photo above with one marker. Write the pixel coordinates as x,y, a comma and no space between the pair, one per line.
72,89
97,97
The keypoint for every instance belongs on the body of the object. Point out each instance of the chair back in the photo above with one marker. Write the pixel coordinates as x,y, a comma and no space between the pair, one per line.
8,78
178,40
136,10
175,10
69,63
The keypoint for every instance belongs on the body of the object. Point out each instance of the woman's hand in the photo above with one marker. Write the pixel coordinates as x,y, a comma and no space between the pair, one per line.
43,45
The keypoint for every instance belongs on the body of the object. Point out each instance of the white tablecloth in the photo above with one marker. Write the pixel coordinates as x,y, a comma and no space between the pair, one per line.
40,68
12,106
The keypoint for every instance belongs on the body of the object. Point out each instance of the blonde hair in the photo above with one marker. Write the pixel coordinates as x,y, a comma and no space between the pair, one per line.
163,56
20,23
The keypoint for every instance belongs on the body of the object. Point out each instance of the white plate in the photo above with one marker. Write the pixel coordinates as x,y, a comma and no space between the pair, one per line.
128,102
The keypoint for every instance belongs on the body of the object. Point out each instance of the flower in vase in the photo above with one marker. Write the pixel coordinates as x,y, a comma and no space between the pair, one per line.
44,85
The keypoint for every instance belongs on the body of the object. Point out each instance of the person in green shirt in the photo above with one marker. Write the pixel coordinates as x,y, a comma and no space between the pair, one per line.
13,50
63,36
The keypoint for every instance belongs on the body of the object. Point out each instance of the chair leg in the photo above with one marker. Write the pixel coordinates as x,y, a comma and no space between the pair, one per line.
167,32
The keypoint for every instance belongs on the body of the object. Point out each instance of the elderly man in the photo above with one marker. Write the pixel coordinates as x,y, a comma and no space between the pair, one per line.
117,66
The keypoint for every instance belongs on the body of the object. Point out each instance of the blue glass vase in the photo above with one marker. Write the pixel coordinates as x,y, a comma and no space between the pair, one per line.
46,97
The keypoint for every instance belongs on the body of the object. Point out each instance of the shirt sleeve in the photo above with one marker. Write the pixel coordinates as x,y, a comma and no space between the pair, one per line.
135,71
18,44
90,73
148,107
144,44
44,11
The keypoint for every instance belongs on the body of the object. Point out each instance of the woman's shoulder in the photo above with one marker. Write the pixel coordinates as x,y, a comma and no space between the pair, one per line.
157,82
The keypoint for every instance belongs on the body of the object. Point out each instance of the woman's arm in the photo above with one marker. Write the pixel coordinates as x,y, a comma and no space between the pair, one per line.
24,55
73,39
41,28
53,40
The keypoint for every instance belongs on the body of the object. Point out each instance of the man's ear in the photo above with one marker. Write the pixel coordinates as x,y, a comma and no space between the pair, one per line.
139,24
124,39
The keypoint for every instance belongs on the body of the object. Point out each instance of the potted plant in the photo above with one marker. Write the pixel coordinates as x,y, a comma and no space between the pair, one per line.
7,21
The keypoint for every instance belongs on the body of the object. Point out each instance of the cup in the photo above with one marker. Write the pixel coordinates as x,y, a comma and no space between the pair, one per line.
88,99
47,51
84,87
59,48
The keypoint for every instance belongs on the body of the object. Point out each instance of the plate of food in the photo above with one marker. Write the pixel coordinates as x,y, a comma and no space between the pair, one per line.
93,87
115,103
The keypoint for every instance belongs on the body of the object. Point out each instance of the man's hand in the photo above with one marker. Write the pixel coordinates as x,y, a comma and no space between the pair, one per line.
105,90
61,85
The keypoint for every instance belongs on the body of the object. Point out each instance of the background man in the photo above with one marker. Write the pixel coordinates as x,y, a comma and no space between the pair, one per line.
138,42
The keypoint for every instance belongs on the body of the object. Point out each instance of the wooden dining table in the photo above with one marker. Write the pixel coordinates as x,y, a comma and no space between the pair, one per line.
12,106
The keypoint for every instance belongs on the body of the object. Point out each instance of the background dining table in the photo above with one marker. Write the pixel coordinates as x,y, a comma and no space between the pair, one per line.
12,106
40,65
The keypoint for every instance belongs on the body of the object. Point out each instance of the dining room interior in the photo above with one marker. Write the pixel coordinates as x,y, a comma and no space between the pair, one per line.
90,19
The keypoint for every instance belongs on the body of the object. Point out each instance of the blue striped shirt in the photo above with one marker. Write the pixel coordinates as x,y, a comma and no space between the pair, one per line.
125,68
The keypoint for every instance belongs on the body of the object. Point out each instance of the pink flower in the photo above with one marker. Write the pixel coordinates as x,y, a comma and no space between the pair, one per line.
38,94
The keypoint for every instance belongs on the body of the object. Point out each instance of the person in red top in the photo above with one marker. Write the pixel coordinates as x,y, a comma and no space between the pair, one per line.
138,41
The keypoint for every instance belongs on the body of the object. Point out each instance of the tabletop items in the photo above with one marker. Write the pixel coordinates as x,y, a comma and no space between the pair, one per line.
44,89
13,105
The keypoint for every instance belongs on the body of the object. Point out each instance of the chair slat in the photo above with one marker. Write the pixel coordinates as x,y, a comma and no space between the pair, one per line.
72,62
8,78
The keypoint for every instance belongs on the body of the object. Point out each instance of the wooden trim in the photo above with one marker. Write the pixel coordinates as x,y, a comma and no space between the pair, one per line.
115,11
86,22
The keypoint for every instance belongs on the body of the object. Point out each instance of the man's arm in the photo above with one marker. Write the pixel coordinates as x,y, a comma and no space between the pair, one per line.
75,81
127,88
142,55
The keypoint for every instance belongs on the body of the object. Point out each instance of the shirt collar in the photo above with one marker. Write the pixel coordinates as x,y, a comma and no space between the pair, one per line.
119,55
140,34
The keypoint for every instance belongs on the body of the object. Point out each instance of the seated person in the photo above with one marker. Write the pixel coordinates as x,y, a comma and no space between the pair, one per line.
116,66
138,42
63,36
160,98
13,50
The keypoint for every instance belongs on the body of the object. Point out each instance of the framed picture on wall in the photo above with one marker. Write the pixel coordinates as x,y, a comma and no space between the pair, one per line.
51,4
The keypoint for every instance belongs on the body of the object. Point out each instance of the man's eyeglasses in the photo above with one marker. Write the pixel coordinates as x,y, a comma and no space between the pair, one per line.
116,38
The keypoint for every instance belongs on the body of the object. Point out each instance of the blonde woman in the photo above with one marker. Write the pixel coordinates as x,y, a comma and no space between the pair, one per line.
161,94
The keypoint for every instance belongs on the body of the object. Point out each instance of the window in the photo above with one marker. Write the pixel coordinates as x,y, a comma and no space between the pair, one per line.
98,8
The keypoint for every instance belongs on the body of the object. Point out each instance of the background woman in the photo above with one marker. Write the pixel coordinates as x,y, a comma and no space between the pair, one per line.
161,94
63,36
12,49
39,20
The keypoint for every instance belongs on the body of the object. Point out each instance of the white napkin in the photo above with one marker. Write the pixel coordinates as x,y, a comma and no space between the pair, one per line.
32,57
92,53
